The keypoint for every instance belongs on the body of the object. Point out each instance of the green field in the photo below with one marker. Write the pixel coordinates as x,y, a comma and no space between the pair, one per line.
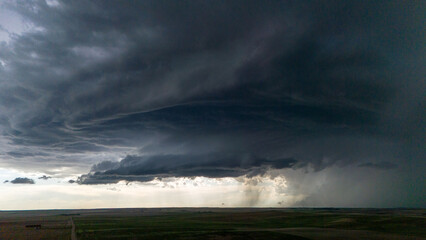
252,224
13,226
215,224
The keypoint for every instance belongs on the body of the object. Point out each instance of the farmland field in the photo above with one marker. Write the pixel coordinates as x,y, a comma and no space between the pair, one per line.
53,226
216,223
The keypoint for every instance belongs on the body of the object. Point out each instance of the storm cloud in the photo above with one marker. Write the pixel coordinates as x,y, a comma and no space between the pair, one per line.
137,90
134,168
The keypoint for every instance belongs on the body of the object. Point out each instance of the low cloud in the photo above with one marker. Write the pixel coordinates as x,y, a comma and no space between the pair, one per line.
147,168
22,181
44,177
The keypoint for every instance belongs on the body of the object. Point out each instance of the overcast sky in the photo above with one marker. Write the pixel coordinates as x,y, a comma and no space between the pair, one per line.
212,103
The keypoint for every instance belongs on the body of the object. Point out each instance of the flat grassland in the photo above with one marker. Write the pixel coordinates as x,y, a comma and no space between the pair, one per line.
217,223
240,223
53,226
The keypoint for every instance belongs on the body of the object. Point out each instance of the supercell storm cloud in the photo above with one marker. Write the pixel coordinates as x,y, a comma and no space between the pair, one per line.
144,90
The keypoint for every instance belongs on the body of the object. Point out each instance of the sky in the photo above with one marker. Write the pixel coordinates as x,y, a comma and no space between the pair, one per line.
212,104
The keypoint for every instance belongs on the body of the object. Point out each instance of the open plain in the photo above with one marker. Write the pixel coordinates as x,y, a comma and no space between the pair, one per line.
214,223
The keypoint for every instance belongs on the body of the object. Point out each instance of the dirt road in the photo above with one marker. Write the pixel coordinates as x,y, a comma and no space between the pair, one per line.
73,236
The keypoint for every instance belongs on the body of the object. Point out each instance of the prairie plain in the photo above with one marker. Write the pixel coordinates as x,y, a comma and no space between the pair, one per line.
216,223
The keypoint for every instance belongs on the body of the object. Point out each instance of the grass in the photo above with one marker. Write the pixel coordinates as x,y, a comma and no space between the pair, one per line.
243,224
53,227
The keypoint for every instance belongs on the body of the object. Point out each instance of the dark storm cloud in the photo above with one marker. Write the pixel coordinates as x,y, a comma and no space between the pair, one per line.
135,168
25,153
327,83
379,165
22,181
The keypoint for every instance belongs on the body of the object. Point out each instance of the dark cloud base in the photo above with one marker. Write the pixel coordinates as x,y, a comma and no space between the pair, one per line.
143,169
